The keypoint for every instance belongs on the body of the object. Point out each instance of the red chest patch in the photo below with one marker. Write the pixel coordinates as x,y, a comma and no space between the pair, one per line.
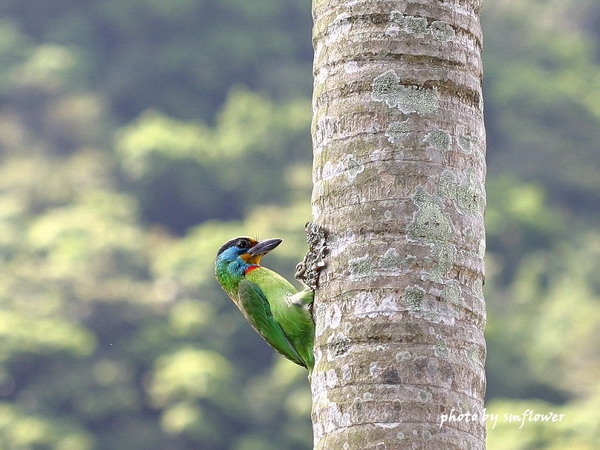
250,269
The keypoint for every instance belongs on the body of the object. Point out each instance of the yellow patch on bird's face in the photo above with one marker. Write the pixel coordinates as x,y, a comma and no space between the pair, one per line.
251,259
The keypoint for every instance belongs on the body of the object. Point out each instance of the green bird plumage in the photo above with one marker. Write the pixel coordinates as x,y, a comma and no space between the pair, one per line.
274,308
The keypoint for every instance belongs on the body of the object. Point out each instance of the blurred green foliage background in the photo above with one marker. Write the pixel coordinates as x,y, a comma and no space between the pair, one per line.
138,135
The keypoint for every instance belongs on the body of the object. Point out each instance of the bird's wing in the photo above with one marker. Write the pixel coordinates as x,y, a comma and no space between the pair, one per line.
258,313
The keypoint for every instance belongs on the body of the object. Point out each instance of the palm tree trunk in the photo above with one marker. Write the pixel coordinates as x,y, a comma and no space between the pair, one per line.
399,170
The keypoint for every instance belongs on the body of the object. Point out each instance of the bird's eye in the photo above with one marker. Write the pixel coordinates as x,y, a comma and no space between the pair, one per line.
244,244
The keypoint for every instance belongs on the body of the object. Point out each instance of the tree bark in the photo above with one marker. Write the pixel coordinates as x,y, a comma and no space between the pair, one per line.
399,170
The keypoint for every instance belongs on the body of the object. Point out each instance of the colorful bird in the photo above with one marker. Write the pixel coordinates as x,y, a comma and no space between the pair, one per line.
274,308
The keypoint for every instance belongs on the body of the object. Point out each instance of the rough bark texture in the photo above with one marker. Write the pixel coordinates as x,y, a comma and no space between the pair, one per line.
399,168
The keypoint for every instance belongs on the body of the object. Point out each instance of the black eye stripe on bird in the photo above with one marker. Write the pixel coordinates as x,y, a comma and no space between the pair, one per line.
273,307
232,242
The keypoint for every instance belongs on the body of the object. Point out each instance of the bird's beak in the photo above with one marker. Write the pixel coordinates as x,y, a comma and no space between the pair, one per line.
264,247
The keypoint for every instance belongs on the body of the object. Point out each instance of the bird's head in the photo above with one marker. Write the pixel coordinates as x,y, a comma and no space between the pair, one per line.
240,252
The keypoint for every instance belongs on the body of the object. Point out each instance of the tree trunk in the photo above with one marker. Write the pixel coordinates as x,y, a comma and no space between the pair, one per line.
399,169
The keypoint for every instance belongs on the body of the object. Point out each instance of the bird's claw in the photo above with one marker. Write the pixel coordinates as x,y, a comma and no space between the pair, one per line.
300,270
